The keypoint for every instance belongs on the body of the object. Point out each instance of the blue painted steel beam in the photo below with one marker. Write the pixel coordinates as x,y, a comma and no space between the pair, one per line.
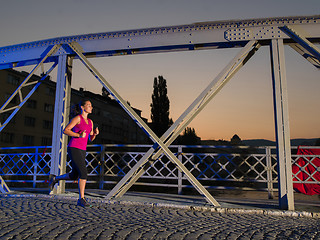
48,52
223,34
3,125
220,34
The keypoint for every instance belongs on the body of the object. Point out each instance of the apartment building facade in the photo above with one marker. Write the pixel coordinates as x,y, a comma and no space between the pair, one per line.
33,124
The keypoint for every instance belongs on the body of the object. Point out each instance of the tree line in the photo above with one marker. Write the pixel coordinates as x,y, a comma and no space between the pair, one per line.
160,111
161,121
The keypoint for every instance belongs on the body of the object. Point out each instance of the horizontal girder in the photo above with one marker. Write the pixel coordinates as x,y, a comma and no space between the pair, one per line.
219,34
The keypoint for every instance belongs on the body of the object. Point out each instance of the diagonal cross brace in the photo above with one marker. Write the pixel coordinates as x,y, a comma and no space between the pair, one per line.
24,83
306,54
24,100
302,41
51,50
144,126
194,109
3,186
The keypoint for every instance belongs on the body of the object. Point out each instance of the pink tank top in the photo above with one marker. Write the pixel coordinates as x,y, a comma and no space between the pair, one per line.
77,142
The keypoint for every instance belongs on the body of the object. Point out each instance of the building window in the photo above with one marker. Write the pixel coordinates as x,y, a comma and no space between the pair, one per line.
118,131
125,133
47,124
32,104
97,111
118,118
45,141
6,137
106,128
28,140
50,91
48,107
106,114
13,80
29,121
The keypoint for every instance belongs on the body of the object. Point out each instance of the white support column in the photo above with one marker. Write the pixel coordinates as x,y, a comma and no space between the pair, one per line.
281,114
61,119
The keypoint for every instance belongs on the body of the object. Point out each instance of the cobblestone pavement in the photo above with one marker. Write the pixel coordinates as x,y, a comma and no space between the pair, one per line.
45,218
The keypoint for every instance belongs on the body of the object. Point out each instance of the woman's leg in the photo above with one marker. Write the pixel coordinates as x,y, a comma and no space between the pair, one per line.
73,175
63,177
55,179
79,164
79,171
82,186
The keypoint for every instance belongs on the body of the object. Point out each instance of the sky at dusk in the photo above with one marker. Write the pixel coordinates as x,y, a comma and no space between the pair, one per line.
244,106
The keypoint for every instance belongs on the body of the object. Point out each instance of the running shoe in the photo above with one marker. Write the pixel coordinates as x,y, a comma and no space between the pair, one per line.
83,203
52,181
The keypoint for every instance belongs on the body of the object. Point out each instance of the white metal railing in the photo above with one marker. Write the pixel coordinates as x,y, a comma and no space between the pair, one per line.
214,166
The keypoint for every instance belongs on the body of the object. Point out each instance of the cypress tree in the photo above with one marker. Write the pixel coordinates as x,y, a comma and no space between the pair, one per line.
160,107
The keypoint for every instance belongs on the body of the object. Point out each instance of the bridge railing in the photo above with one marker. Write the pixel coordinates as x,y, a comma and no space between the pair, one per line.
216,167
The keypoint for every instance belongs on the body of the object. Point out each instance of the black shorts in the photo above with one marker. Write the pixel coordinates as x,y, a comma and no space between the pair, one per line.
78,163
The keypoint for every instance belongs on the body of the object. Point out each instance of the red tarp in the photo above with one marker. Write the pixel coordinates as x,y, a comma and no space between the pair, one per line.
312,167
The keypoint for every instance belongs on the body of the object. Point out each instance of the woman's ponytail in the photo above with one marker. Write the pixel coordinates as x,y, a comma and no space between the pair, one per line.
76,108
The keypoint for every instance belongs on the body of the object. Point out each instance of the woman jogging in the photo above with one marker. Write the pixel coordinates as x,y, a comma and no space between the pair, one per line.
80,129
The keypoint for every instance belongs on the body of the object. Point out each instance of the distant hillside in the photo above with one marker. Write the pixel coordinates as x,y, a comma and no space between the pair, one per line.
258,142
303,141
294,142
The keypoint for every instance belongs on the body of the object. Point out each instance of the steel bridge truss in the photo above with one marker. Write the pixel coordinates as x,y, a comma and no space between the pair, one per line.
301,33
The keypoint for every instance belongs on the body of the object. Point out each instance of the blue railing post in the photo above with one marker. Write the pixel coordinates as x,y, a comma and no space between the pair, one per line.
102,161
35,167
179,172
209,170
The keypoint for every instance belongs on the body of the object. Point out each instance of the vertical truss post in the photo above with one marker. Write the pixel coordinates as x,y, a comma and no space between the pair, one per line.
190,113
61,118
286,200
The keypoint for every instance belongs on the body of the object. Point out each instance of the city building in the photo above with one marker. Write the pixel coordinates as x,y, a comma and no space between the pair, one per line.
33,123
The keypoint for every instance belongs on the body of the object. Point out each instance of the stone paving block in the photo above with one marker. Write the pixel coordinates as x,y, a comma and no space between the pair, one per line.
49,218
